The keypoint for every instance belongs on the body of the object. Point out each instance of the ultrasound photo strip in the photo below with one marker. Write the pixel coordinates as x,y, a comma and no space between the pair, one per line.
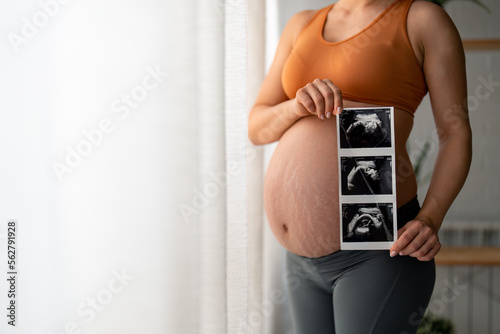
367,179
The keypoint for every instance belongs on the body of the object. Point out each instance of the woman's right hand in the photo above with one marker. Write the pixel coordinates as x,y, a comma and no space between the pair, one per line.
320,98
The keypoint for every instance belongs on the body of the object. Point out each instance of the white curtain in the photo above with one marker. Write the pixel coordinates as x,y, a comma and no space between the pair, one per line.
126,166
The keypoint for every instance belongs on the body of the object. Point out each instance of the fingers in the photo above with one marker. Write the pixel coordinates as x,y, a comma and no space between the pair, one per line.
327,98
321,98
405,236
431,253
401,231
304,99
416,239
338,105
427,252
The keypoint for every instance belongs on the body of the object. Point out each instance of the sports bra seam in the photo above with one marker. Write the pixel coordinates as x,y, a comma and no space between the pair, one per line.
371,24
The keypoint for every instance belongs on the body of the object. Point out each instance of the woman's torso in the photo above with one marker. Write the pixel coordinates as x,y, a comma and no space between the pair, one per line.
301,183
301,189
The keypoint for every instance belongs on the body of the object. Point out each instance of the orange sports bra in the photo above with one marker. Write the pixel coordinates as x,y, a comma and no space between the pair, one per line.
377,65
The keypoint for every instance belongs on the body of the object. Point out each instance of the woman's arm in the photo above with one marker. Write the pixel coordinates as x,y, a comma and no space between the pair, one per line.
444,69
273,113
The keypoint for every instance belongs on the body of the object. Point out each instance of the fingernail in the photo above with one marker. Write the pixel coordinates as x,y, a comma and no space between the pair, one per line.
393,254
328,114
401,253
339,110
322,117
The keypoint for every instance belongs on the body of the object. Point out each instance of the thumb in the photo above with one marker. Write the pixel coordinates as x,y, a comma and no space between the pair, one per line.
396,248
299,109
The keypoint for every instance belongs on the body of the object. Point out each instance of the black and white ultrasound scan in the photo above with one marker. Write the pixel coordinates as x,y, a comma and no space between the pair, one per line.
365,128
370,175
367,178
367,222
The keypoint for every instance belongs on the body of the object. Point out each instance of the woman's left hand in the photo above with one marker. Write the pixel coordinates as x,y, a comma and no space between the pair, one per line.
417,239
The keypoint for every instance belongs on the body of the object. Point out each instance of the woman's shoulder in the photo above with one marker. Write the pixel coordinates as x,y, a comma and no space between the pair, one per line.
303,16
299,21
427,15
428,22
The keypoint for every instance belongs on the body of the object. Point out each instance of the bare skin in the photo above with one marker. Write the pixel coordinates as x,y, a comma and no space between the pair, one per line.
301,184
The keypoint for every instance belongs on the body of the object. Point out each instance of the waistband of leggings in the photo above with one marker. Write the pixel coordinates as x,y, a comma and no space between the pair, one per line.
408,211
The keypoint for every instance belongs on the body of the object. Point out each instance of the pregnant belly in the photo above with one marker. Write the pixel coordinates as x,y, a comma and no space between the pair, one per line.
301,184
301,188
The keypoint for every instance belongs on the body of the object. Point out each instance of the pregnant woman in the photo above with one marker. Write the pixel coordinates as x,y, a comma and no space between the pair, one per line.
360,53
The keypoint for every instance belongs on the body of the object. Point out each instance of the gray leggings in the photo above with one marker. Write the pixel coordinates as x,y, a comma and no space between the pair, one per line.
360,292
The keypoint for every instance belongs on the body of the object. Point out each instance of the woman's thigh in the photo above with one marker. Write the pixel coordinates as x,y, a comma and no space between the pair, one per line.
310,298
382,295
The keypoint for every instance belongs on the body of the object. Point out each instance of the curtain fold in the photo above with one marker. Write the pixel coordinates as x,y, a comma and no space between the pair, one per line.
213,178
236,137
127,166
222,75
255,173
